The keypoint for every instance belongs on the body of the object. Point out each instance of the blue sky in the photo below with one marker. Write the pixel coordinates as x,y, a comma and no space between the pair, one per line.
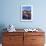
26,8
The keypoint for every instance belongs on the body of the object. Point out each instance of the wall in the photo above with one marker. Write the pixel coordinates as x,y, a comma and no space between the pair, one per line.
10,13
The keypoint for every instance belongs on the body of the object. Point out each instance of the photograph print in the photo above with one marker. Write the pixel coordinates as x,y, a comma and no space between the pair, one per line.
26,13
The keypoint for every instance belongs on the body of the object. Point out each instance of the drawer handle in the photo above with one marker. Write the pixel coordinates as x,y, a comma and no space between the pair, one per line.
33,39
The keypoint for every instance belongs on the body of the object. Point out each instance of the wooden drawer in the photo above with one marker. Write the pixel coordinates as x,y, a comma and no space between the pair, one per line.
33,40
37,44
12,39
12,44
13,33
37,39
34,33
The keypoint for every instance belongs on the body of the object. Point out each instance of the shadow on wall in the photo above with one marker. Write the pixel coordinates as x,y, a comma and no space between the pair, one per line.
2,26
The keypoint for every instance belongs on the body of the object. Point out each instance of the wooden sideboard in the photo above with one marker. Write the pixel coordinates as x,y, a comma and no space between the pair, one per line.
23,39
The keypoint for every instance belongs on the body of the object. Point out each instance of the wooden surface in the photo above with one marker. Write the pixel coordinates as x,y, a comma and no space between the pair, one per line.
23,39
34,39
13,39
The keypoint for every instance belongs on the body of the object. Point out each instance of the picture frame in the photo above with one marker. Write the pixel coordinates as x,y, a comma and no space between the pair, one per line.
26,12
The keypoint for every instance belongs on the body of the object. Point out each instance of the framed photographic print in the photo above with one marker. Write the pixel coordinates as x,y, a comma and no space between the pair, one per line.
26,12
